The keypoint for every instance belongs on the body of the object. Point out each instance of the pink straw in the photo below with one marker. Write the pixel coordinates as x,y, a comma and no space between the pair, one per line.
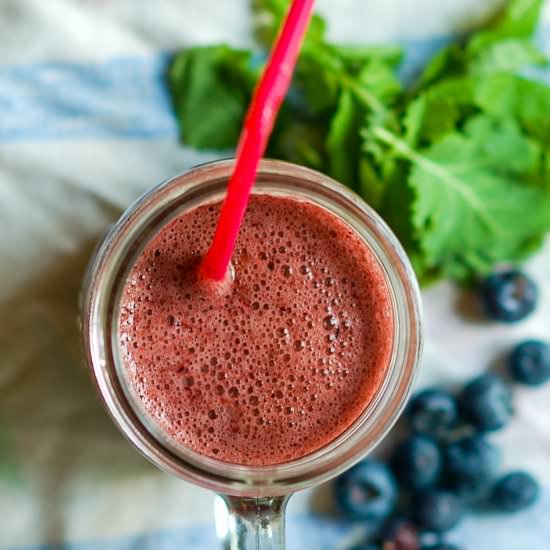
259,121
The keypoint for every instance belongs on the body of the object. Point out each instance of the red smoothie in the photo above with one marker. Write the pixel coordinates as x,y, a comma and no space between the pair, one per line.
279,364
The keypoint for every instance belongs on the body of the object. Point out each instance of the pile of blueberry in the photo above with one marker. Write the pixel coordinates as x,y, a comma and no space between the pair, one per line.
447,465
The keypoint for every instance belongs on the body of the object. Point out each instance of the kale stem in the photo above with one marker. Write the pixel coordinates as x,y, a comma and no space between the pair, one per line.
368,100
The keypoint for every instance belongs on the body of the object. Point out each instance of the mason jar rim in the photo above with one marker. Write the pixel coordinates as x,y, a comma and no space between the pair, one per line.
99,315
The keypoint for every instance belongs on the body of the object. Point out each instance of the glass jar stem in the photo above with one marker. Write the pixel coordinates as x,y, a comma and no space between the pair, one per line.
255,523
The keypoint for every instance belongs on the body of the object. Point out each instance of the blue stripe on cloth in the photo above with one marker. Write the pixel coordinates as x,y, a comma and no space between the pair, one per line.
417,54
528,529
122,98
302,531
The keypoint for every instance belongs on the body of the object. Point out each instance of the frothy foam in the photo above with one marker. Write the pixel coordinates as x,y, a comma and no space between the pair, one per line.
281,363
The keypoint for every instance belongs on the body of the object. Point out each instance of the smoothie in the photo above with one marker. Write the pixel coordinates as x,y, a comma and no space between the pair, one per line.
278,363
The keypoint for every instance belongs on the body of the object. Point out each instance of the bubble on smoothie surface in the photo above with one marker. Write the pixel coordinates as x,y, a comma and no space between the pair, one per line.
279,364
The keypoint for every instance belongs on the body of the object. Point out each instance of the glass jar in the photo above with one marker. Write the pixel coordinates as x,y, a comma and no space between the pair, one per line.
255,495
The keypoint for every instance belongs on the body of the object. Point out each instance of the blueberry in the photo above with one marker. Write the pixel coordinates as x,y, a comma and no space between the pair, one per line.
486,402
470,465
515,491
416,462
436,510
433,412
530,362
440,546
392,525
509,295
399,534
367,491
